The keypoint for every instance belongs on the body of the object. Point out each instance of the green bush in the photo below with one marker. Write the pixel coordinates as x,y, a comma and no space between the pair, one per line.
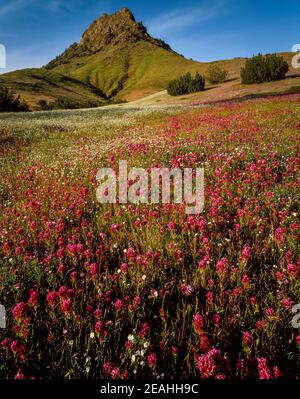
215,74
261,69
186,84
10,103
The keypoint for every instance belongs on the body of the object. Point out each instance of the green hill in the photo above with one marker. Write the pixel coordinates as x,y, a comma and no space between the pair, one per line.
117,55
116,59
128,72
38,84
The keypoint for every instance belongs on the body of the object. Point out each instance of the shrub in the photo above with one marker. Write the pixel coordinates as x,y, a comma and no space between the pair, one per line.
186,84
43,105
261,69
216,75
10,103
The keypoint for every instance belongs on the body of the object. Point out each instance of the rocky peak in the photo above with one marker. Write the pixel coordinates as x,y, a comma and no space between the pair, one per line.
125,11
120,27
116,30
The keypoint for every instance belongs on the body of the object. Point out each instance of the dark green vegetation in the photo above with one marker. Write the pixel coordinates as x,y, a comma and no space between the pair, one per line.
11,103
215,74
186,84
261,69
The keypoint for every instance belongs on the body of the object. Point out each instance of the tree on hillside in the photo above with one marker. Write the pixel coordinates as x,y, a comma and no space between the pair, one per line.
10,103
215,74
186,84
259,69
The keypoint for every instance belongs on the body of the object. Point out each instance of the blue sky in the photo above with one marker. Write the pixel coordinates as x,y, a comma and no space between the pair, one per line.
35,31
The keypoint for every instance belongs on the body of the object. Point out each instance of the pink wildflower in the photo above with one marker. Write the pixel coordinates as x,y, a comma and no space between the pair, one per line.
152,359
263,369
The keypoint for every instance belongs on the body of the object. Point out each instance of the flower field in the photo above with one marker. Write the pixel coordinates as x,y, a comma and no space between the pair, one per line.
140,291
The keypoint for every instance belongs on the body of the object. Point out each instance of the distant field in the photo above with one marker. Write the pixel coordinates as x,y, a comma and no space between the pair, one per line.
138,291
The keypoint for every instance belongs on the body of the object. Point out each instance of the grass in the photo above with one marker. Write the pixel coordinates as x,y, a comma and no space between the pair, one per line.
118,291
34,85
150,69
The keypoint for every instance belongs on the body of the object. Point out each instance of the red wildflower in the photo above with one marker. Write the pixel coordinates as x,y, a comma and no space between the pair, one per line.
66,305
247,338
152,359
19,310
186,289
263,369
198,322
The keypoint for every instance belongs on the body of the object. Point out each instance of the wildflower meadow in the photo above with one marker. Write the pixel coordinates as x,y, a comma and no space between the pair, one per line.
124,291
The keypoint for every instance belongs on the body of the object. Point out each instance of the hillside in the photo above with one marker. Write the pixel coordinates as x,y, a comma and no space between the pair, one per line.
117,55
38,84
116,59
